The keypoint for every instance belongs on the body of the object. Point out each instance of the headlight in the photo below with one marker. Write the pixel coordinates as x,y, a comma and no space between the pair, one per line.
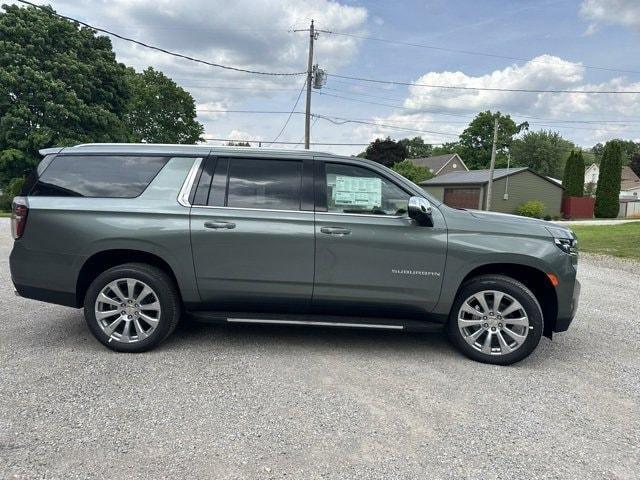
565,240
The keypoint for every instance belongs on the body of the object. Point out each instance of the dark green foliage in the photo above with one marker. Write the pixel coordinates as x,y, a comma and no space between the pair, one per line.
545,152
413,172
635,163
416,148
60,85
629,149
11,190
387,152
608,190
476,140
573,178
160,111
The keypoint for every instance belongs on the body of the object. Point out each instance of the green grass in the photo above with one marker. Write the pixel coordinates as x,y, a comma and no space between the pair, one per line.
617,240
5,214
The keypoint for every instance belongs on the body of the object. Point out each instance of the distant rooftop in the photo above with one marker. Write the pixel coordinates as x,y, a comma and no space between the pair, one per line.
472,176
434,163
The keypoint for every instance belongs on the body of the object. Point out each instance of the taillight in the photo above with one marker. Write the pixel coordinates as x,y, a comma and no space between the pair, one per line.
19,212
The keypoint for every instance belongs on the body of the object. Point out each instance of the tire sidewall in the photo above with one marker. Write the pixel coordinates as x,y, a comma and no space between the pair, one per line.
517,291
159,286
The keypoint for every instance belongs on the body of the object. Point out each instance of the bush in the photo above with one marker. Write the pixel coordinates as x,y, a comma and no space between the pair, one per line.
409,170
532,208
13,189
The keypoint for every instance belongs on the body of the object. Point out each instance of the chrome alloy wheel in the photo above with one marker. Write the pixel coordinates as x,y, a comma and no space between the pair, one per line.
493,322
127,310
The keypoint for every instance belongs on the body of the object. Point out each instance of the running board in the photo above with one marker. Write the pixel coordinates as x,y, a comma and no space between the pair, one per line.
317,324
306,319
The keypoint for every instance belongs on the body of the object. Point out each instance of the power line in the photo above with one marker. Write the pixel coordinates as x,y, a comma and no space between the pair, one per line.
484,89
470,52
464,115
158,49
292,110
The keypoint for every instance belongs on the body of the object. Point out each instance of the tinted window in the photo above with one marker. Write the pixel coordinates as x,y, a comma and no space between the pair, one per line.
98,176
353,189
268,184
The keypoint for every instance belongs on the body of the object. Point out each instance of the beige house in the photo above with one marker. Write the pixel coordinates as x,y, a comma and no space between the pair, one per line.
441,164
511,188
629,181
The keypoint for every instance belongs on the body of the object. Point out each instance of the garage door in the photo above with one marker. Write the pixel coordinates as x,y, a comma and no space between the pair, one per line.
462,197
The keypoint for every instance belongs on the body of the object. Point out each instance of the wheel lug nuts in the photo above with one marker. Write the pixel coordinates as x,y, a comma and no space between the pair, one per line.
484,318
485,325
500,325
123,313
129,317
491,313
493,329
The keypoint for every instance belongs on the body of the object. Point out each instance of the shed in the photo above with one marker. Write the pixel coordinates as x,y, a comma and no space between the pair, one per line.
511,188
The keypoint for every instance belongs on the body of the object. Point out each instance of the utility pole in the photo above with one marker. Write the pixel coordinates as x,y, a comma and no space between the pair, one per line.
307,116
492,166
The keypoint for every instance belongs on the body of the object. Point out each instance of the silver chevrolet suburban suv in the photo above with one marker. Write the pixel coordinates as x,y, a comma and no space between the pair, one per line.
139,235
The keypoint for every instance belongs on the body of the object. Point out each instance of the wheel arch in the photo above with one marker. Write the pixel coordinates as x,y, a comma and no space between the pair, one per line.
535,279
103,260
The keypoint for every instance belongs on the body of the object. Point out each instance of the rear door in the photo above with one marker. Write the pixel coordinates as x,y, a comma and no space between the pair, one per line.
371,258
252,233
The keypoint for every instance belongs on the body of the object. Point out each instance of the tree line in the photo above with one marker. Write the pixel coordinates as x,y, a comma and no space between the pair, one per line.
61,85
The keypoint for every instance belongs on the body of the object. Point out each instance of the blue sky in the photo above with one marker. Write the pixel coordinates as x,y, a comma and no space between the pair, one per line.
555,40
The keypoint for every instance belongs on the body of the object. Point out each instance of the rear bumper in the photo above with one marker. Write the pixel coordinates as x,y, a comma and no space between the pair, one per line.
44,276
45,295
566,314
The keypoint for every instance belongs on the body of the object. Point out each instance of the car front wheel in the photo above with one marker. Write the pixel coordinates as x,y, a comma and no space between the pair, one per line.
132,307
495,319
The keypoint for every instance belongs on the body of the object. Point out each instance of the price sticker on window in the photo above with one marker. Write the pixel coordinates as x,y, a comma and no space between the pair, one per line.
362,192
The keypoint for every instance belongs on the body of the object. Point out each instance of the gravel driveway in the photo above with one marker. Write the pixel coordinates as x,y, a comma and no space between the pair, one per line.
273,402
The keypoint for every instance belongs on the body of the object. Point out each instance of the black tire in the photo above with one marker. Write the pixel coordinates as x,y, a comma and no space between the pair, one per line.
164,288
519,292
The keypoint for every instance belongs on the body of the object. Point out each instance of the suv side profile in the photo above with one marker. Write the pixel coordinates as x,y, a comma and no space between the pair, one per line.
137,235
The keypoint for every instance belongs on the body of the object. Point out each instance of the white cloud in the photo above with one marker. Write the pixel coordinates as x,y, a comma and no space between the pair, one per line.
614,12
542,110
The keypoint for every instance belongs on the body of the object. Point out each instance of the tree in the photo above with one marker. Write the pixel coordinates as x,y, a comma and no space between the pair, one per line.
413,172
476,140
543,151
629,149
416,148
573,178
60,85
160,111
387,152
635,163
608,190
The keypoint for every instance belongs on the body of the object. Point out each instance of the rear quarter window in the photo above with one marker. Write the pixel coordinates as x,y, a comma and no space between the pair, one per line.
106,176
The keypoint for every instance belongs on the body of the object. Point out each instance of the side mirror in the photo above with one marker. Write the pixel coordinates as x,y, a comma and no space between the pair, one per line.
420,210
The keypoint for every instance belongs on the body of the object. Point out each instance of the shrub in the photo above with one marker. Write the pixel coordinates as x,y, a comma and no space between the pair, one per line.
532,208
13,188
415,173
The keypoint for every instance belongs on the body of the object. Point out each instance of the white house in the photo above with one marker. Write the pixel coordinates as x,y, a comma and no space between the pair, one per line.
629,181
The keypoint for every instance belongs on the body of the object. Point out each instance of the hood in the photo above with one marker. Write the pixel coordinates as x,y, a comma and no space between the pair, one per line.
515,224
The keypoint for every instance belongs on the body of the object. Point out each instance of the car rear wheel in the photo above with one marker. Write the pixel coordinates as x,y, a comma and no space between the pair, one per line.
495,319
132,307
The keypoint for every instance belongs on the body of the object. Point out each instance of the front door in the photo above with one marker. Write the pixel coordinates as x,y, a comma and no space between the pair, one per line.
371,258
252,235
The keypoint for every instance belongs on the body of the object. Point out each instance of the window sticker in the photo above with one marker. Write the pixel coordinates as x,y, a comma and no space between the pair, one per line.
362,192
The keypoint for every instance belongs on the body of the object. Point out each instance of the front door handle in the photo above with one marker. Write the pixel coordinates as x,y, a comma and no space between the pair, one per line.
218,225
335,231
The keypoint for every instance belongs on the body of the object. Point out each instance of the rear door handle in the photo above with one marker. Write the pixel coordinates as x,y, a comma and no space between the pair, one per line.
335,231
218,225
